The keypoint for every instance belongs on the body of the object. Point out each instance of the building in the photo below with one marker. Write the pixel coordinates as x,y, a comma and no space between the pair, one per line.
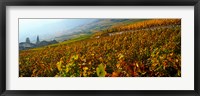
28,44
38,40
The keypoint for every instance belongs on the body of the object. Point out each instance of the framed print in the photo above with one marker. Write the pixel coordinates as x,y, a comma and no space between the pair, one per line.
86,47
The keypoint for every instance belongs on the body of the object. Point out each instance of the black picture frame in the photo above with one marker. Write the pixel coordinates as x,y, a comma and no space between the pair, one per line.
4,3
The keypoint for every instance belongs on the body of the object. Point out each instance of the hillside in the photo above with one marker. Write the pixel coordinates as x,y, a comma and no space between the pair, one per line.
95,26
149,48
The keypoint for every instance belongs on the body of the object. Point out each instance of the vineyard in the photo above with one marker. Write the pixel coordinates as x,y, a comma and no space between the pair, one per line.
150,48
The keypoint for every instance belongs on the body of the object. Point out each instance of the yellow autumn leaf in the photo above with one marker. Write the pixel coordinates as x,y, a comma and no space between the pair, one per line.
85,68
59,64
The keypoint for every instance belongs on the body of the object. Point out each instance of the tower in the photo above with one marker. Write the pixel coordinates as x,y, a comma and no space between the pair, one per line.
38,40
28,40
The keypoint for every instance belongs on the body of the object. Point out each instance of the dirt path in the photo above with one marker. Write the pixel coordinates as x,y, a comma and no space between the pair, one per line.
152,29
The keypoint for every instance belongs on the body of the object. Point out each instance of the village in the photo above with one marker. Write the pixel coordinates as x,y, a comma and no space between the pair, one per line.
28,45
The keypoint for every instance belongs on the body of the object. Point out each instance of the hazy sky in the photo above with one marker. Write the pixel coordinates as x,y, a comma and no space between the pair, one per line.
46,28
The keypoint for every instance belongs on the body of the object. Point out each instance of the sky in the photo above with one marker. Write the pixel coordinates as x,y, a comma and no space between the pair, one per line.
47,29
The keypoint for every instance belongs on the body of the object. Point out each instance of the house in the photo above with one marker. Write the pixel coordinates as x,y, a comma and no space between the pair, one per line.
25,45
28,44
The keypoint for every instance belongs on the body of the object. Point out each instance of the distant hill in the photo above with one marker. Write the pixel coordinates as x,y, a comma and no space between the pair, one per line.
95,26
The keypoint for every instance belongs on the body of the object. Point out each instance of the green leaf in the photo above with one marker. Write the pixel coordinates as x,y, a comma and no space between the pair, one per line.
76,57
101,71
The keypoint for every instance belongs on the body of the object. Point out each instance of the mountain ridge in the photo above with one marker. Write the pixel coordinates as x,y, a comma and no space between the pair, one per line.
95,26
